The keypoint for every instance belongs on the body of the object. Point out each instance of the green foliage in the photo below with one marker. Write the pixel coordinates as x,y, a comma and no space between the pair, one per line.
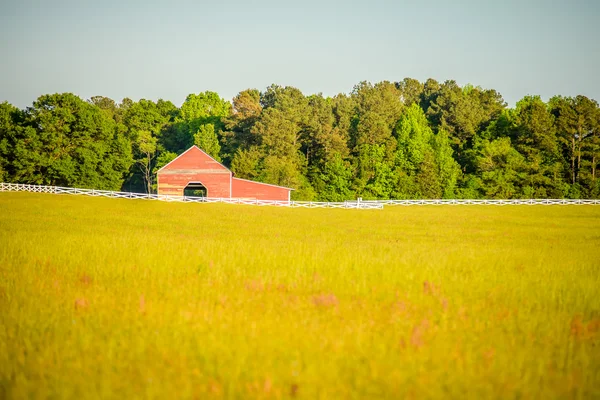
66,141
383,140
337,180
10,118
146,123
424,161
163,159
278,133
578,124
204,105
501,168
462,113
247,164
146,148
281,171
374,172
238,135
193,122
206,139
448,169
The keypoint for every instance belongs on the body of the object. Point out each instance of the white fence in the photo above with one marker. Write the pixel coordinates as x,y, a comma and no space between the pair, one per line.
441,202
18,187
350,204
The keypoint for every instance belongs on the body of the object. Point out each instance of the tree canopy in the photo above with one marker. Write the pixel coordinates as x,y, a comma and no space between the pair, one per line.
405,139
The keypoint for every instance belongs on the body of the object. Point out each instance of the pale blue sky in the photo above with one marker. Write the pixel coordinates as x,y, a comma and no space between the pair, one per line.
159,49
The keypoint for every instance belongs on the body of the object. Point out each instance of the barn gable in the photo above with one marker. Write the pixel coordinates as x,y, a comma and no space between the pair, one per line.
194,159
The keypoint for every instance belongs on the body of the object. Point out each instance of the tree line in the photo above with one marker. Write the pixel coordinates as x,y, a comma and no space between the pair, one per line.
398,140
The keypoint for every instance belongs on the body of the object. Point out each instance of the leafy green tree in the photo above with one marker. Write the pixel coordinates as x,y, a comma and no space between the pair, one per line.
428,179
278,139
577,125
424,160
501,168
287,99
197,110
344,110
146,122
377,109
376,180
591,151
448,170
533,135
107,105
206,139
317,136
411,91
533,128
202,106
238,134
462,112
66,141
281,171
147,146
161,160
278,134
10,119
336,180
247,164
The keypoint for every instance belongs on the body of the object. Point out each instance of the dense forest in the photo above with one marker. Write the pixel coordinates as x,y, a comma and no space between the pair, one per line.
386,140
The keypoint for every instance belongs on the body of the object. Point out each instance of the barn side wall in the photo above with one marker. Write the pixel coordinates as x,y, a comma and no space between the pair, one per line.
257,191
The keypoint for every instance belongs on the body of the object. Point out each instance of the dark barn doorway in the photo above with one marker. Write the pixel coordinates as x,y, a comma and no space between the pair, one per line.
195,189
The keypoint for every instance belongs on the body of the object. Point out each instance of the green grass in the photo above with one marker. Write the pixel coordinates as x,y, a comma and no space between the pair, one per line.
104,298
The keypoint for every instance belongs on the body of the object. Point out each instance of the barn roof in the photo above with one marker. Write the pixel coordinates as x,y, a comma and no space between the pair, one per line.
262,183
181,155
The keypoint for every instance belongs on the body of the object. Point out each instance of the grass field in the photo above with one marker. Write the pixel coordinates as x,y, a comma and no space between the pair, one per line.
104,298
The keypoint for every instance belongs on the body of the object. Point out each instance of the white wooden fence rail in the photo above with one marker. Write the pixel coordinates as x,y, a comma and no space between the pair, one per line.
497,202
19,187
349,204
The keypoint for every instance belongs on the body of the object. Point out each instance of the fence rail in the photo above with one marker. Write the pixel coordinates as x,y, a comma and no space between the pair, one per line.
19,187
497,202
350,204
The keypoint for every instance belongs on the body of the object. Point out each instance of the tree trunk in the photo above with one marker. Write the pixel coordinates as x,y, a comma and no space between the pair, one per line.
573,160
148,183
579,140
146,169
149,175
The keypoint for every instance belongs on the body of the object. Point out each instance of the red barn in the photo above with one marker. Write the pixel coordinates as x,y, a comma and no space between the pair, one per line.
196,170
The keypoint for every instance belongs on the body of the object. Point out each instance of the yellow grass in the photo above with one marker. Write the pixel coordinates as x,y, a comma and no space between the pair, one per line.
104,298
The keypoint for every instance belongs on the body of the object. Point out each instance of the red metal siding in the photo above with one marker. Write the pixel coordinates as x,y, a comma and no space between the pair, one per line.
217,185
241,188
194,166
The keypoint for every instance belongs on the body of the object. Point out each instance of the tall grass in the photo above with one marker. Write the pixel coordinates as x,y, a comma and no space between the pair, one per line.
104,298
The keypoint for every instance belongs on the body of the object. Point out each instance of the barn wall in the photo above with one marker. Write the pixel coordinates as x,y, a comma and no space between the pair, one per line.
217,185
257,191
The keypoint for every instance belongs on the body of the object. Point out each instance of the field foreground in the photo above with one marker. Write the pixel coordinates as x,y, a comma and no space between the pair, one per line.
104,298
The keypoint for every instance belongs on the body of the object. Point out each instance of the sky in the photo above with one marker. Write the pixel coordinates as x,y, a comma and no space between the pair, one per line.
169,49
